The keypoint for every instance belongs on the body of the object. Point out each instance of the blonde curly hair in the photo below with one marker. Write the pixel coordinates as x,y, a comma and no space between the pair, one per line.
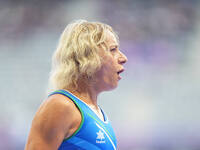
77,54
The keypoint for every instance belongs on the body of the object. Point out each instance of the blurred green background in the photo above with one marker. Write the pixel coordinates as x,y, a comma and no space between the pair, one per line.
155,107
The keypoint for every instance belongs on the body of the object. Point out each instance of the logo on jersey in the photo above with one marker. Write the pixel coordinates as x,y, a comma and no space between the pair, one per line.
100,137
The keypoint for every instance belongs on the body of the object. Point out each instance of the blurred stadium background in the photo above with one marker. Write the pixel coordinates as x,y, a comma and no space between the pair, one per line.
155,107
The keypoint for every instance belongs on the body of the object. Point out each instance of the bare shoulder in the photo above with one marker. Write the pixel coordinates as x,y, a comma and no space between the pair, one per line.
59,111
57,105
56,119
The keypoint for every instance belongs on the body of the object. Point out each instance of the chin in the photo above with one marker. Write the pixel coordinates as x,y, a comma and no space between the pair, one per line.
111,87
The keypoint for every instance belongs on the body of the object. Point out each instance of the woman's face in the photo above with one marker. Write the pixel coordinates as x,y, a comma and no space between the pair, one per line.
112,64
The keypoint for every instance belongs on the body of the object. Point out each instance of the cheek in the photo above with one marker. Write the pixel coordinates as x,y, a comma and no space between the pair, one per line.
108,66
110,75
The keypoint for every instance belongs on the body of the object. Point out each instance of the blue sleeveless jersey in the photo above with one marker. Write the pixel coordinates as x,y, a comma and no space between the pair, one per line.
93,133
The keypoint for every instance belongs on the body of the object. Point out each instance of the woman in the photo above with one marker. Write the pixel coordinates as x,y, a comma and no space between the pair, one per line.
86,62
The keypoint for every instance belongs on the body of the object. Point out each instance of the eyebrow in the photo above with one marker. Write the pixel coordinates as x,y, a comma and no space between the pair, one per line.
114,45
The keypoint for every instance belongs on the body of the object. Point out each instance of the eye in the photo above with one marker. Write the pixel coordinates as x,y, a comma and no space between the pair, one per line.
113,49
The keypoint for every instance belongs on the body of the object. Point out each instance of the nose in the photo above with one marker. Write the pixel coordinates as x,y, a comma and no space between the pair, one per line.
122,59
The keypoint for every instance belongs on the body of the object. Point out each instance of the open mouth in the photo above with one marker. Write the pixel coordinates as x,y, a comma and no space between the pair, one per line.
120,71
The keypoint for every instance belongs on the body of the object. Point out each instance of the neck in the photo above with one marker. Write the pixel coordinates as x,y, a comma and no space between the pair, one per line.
86,94
87,91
